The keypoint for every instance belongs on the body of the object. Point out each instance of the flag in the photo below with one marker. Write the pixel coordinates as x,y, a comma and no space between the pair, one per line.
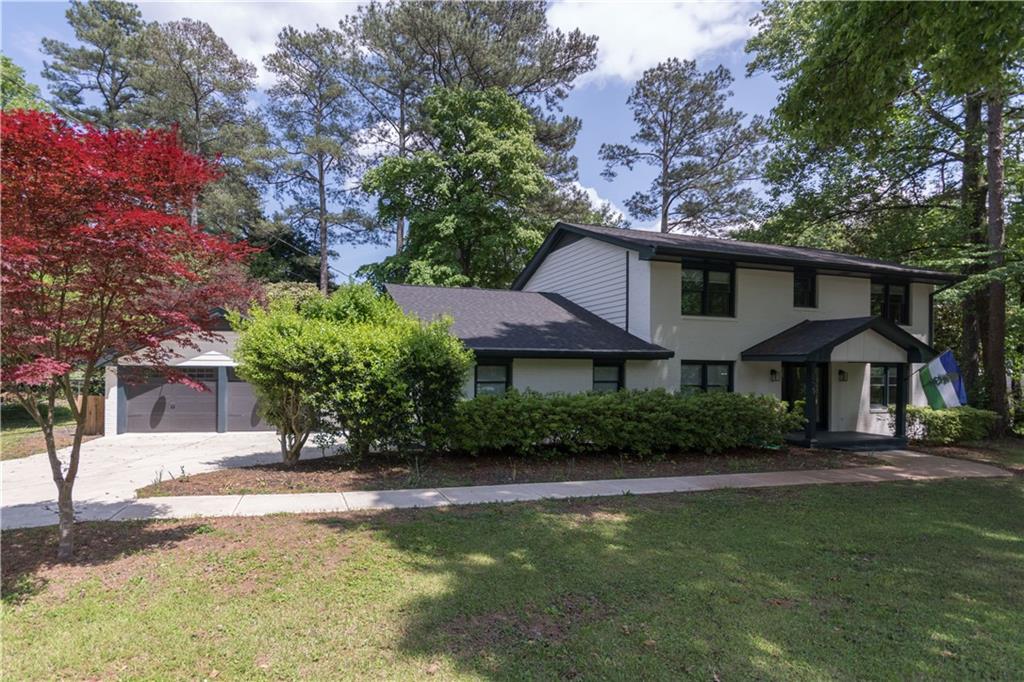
942,383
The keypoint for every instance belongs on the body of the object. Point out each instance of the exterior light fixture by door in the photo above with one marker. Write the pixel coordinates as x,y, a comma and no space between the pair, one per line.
774,374
843,376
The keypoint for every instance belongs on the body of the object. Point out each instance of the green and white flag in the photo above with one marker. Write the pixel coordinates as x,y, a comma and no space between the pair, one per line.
942,384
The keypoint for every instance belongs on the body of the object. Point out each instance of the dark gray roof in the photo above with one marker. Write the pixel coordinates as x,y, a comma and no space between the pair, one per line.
813,340
655,244
499,322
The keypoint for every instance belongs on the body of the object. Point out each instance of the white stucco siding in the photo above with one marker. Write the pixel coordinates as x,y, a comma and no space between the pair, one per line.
110,403
588,272
920,299
552,375
639,312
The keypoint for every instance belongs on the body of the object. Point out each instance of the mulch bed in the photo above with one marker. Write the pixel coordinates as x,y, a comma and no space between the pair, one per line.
337,474
34,443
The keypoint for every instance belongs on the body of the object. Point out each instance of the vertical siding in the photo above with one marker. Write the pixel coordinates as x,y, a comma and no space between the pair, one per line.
588,272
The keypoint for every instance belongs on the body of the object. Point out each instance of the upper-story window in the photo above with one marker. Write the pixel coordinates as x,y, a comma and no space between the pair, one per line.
805,289
891,301
708,291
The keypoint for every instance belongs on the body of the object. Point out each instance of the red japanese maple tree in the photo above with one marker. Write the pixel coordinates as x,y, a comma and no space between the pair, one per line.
99,259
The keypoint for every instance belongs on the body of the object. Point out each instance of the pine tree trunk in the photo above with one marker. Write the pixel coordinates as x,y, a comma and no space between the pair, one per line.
995,358
325,274
400,224
973,207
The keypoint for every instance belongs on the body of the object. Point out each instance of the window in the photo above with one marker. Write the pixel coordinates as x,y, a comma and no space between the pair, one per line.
883,386
493,378
607,377
707,291
705,377
805,289
891,301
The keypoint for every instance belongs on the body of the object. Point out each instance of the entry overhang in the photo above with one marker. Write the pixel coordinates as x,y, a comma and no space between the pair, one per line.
814,340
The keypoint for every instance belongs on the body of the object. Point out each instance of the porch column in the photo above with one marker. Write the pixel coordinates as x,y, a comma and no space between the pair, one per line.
901,400
810,404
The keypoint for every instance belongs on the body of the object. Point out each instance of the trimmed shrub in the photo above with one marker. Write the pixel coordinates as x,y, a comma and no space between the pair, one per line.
943,427
639,423
354,365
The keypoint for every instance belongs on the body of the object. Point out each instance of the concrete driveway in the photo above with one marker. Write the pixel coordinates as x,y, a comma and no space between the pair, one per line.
113,468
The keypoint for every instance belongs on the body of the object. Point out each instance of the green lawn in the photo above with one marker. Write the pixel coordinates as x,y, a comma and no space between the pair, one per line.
20,435
891,581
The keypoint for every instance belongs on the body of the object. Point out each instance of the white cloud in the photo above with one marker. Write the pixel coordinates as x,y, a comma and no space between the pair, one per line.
596,200
635,36
250,28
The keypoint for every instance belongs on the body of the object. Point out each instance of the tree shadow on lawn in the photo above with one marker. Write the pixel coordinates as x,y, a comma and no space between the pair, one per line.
30,554
891,581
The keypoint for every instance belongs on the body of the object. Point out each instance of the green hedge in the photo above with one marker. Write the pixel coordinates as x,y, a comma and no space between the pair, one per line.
636,423
955,425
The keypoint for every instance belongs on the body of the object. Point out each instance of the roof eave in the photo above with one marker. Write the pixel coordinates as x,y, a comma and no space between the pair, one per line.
573,354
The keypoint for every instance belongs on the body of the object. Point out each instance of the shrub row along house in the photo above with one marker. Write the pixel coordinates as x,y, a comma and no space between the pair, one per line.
602,309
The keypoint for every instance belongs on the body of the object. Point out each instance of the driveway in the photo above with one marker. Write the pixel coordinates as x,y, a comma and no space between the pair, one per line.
113,468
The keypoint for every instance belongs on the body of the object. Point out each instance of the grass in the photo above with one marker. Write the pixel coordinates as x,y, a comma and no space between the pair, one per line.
890,581
20,435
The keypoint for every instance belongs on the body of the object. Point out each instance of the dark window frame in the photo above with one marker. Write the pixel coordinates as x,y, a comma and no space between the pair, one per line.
889,388
704,364
705,269
813,275
903,317
507,364
620,376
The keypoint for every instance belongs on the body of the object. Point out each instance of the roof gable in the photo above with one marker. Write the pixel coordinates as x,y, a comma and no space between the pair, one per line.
814,340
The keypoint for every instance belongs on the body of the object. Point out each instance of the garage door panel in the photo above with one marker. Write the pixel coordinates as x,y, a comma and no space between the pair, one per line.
159,406
243,406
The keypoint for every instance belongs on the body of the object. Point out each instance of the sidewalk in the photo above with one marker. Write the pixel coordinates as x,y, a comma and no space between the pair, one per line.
900,465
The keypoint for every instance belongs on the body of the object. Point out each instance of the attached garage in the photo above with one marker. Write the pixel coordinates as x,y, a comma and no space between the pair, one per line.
152,404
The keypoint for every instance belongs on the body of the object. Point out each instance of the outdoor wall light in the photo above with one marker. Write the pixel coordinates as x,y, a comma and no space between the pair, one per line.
843,376
774,375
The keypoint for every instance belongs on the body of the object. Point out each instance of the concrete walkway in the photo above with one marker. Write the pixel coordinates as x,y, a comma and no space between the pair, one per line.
898,466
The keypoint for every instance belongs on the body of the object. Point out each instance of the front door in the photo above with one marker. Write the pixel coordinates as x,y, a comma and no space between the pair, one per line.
793,388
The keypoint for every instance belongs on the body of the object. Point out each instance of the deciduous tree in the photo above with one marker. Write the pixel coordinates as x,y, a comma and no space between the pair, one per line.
468,200
855,74
15,92
100,260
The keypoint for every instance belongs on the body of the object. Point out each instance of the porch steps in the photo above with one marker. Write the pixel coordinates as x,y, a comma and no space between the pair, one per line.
850,441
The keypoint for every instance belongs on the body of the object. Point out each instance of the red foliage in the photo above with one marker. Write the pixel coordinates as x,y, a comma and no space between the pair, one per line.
99,257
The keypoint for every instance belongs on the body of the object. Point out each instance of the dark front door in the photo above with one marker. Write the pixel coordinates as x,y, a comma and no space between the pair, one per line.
793,388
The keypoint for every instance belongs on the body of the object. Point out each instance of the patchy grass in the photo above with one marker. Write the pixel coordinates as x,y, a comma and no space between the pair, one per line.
1006,452
891,581
20,435
333,474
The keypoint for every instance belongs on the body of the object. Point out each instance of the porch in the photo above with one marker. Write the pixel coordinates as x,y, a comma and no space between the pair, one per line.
810,350
854,441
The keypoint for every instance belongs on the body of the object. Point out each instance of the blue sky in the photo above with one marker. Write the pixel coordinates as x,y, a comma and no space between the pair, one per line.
633,36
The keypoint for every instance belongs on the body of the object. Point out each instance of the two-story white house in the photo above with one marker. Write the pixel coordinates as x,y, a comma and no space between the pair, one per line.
601,308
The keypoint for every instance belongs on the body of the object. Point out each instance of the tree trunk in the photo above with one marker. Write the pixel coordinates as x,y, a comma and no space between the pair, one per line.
973,207
995,358
66,527
325,274
400,223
